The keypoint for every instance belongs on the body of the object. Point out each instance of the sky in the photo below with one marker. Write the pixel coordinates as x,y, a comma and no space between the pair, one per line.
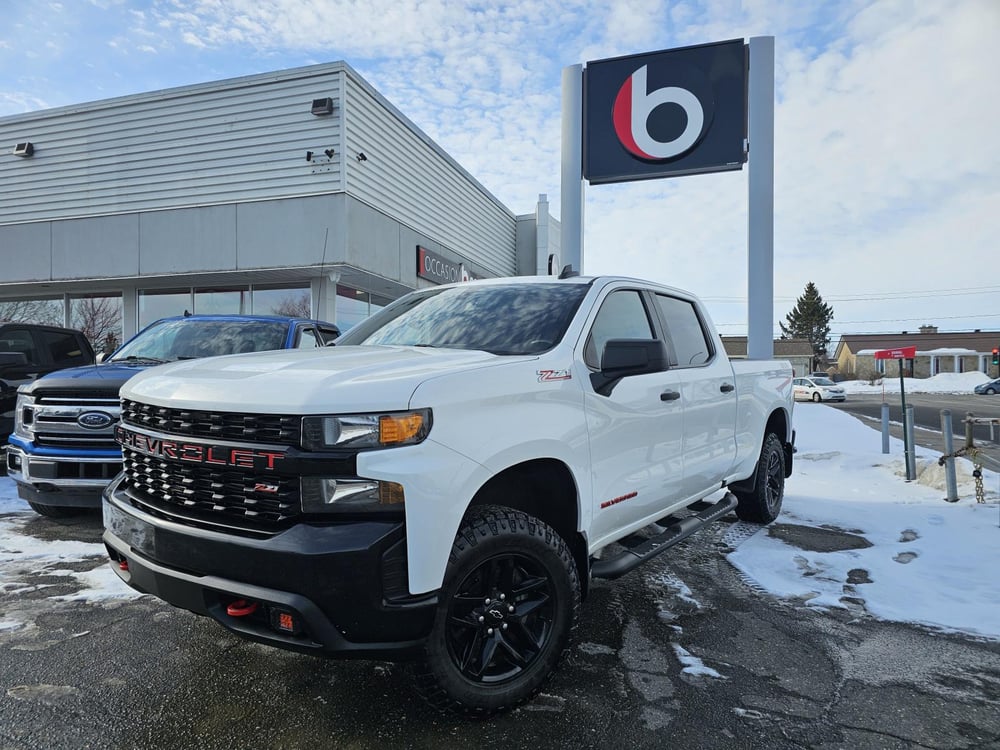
887,165
930,563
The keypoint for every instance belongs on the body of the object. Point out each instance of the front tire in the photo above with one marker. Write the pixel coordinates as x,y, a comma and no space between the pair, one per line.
505,614
762,504
990,391
817,398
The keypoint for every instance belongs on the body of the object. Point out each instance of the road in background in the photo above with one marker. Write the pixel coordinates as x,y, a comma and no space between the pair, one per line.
927,409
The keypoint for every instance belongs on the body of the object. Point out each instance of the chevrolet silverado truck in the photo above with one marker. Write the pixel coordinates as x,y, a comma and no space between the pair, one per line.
62,453
443,484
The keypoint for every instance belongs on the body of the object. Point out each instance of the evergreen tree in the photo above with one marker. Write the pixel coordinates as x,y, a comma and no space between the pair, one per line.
809,319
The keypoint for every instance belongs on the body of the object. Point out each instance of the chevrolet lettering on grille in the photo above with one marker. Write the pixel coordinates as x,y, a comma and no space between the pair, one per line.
198,453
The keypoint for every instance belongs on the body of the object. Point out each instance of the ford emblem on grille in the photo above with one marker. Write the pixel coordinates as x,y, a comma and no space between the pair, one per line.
94,420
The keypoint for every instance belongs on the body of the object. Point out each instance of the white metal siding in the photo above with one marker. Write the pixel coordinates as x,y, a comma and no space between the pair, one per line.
409,178
239,140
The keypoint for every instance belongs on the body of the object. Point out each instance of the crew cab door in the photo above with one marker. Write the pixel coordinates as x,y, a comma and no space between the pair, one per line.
636,429
708,393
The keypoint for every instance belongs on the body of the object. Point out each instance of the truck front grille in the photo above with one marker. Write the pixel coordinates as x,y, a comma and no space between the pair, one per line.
56,419
208,493
274,429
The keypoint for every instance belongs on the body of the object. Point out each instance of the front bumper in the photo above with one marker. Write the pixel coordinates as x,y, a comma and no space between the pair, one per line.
65,481
341,587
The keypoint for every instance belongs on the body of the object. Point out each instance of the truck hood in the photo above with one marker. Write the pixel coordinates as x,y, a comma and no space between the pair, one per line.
109,377
315,381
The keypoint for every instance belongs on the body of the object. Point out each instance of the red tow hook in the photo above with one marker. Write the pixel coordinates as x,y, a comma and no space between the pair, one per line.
123,565
241,608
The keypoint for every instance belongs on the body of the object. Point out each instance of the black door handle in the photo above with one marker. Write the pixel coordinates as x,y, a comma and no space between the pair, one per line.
727,387
669,396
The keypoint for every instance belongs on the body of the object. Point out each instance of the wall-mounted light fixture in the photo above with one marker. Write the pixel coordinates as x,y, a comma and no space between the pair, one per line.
24,149
322,106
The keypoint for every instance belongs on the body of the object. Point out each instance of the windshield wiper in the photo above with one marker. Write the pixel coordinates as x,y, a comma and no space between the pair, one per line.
132,359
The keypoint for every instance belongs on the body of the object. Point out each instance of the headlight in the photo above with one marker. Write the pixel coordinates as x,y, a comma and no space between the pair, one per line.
339,495
365,430
24,416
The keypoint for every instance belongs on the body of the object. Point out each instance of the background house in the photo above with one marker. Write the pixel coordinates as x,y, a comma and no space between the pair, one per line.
797,351
936,352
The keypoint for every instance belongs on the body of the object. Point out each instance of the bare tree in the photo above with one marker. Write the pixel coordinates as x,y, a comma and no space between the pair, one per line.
100,319
44,311
295,305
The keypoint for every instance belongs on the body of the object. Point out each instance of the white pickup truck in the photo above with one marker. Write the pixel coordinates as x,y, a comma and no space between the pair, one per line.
443,483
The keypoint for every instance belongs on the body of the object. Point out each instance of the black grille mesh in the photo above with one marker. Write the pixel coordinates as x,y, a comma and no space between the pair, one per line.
210,492
274,429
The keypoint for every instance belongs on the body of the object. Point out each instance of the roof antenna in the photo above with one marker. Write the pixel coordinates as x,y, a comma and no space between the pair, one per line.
568,273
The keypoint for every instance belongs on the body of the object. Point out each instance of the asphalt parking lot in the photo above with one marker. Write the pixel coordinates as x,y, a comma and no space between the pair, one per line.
683,653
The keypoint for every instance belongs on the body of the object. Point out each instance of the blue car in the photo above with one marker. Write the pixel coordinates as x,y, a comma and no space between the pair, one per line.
988,388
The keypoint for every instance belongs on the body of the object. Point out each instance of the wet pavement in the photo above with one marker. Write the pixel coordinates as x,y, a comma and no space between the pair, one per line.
682,653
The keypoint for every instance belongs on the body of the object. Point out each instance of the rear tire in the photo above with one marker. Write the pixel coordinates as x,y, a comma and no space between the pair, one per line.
505,614
762,504
55,511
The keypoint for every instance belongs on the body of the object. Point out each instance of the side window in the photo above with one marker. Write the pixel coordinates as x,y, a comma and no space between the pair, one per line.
328,334
691,346
64,348
20,341
622,316
308,340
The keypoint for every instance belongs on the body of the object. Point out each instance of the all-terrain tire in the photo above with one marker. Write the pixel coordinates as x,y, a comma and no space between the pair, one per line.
505,614
762,504
55,511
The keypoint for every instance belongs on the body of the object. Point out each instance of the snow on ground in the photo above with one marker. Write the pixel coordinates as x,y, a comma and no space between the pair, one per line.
931,562
946,382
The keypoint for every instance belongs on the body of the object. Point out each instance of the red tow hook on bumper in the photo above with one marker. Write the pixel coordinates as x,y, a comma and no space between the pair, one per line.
241,608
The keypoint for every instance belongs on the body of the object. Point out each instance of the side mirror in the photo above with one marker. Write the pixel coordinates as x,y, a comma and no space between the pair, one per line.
100,357
625,357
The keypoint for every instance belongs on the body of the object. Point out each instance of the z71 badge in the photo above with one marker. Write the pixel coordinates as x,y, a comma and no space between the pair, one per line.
545,376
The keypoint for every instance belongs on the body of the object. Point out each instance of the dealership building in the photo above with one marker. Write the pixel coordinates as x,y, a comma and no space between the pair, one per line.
303,190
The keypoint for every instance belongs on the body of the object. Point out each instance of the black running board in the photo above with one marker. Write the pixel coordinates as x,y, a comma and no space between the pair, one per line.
678,529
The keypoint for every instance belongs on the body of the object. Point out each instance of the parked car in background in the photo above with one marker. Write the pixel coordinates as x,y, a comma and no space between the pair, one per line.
62,452
817,389
29,351
989,388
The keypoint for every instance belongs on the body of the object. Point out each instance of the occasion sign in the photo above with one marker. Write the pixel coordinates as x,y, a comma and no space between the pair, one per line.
665,114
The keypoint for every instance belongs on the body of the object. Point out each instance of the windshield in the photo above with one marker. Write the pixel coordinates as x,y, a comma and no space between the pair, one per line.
823,381
191,338
508,319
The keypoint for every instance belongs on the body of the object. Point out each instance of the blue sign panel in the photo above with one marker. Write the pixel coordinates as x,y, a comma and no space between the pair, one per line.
665,114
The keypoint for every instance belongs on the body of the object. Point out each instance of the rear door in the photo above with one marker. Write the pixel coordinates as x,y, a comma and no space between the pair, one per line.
708,392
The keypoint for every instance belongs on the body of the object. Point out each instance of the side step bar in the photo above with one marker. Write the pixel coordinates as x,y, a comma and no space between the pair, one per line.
678,529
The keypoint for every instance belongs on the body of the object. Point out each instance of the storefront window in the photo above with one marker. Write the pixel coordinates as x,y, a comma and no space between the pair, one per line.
294,301
353,306
46,311
162,303
100,318
232,301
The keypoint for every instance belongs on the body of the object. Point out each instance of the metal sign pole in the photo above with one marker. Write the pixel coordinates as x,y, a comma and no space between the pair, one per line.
760,179
907,447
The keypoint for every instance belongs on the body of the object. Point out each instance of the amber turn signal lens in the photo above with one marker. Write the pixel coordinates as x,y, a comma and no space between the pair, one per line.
400,428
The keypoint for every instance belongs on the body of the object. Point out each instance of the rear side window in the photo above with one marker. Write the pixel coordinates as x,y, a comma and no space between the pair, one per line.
691,346
64,348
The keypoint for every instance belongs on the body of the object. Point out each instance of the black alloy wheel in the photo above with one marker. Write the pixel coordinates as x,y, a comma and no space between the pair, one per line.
505,614
762,504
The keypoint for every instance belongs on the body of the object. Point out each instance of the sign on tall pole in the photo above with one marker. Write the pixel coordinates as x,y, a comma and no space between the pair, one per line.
905,352
671,113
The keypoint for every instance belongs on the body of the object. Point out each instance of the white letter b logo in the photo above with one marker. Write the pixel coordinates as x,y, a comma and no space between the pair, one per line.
632,109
